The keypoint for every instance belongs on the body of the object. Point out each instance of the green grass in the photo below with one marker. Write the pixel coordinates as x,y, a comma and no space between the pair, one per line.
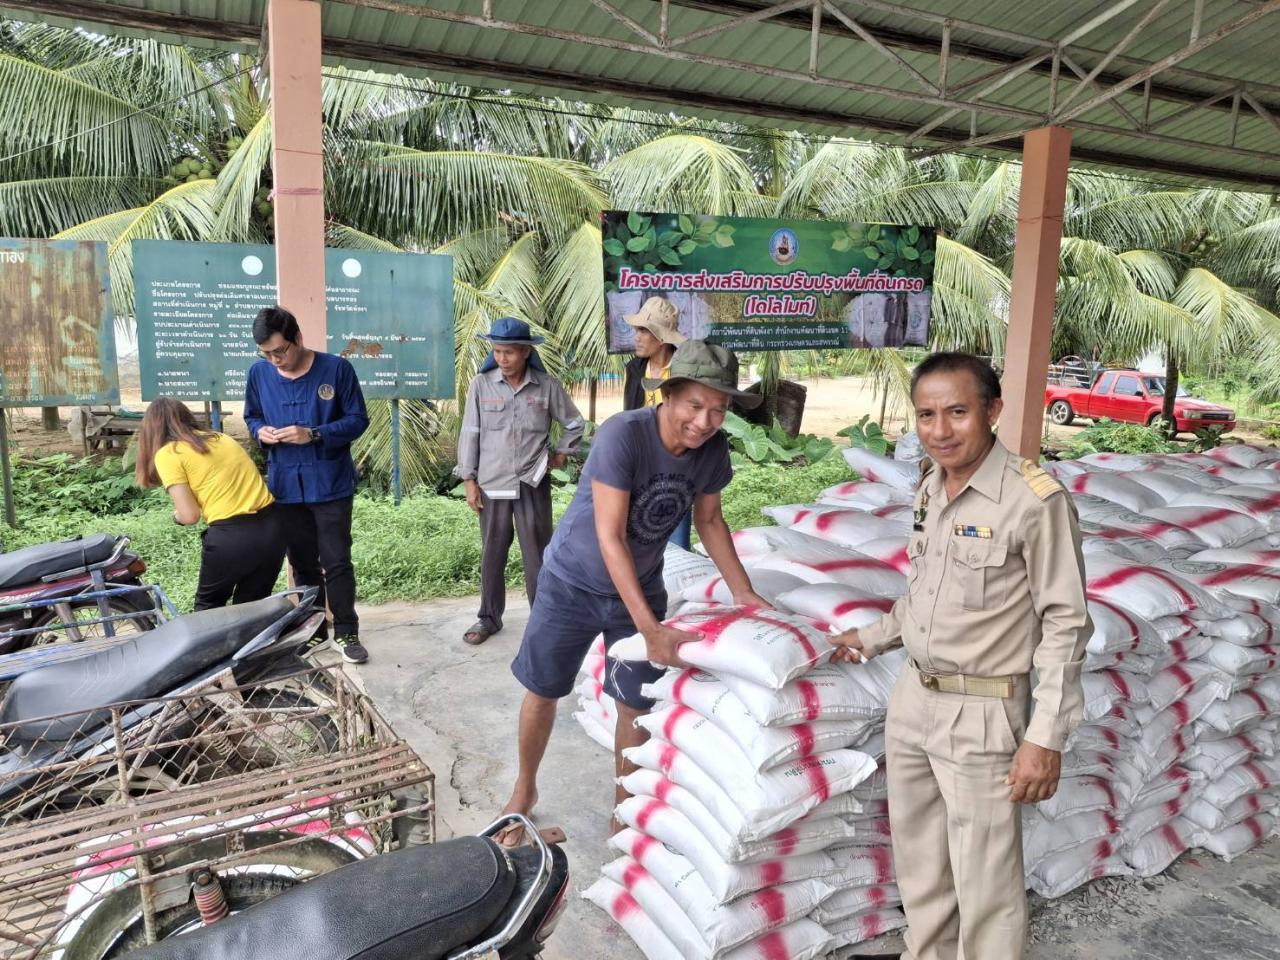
427,548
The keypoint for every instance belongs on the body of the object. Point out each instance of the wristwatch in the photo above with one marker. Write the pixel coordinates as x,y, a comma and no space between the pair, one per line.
314,438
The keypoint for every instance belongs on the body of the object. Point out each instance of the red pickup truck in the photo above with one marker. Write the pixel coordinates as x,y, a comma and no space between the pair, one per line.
1130,397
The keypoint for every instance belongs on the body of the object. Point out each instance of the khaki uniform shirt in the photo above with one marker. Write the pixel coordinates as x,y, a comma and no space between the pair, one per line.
997,586
503,441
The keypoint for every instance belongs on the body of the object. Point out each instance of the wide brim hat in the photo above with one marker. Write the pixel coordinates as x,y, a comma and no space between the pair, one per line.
708,364
659,317
509,330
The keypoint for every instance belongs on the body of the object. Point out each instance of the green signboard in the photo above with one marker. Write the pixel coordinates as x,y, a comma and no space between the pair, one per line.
390,314
57,341
771,284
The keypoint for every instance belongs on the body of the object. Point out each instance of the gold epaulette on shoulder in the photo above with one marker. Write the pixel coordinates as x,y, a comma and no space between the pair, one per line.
1041,484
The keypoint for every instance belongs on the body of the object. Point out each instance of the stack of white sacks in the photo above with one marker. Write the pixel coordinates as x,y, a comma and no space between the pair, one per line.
758,824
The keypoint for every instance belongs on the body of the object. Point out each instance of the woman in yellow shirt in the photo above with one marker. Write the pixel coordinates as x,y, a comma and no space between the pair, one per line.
208,474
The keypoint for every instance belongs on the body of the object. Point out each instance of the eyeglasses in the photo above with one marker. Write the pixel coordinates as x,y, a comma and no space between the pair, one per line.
277,354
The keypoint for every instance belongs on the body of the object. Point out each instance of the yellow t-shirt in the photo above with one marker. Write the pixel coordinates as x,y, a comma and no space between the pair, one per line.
654,397
225,481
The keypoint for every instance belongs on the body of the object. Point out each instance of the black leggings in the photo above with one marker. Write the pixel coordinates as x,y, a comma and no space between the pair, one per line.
240,558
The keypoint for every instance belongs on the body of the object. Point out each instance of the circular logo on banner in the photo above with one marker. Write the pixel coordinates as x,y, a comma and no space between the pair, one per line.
326,391
251,265
784,246
351,267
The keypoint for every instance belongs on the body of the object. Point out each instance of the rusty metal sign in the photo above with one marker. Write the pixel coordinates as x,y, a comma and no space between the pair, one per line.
57,342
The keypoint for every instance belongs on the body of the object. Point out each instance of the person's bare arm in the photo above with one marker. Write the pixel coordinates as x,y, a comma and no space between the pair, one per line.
611,507
185,509
713,531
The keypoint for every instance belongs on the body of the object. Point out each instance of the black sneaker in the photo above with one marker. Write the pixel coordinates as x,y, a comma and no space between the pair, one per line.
351,648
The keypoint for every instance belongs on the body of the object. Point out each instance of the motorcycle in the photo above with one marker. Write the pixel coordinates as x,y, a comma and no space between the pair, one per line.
462,899
171,700
79,589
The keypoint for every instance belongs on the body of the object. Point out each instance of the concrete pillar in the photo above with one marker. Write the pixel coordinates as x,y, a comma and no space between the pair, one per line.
293,57
1046,154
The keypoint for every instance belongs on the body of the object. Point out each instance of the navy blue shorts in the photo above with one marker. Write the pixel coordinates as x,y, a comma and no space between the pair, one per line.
562,624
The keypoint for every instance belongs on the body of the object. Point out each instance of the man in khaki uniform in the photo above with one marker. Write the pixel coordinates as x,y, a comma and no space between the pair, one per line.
996,588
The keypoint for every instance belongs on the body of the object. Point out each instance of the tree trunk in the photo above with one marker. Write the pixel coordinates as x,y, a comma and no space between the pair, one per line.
591,398
49,418
1170,394
884,403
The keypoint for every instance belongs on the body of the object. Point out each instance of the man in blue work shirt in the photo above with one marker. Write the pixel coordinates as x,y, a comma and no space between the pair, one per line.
306,408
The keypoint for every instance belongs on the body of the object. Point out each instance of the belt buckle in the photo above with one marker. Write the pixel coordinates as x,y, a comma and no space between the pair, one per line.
929,681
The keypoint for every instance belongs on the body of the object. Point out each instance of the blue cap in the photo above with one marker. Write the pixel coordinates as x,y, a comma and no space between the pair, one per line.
510,330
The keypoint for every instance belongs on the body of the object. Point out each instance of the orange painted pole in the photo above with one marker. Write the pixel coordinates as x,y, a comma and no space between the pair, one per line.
1046,155
297,161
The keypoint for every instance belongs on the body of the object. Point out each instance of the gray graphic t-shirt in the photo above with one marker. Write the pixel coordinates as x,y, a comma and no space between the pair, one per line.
627,454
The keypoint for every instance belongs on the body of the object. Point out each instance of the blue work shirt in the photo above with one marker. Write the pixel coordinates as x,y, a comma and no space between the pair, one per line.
327,398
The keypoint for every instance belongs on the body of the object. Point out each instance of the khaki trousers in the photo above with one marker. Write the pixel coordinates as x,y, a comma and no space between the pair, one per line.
957,839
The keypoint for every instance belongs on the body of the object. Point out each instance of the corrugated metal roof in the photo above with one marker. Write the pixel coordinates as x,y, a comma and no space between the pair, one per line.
758,71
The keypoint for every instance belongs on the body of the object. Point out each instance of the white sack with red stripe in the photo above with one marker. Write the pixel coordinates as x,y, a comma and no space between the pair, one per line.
1059,874
1229,581
1115,488
614,900
852,901
1247,556
786,514
764,646
849,528
1148,591
865,926
872,466
1043,838
1168,485
713,589
726,881
1252,776
814,831
855,569
865,495
1214,527
1158,849
839,605
747,804
720,757
764,746
1245,455
680,568
1260,503
724,925
1230,842
822,693
1205,815
754,543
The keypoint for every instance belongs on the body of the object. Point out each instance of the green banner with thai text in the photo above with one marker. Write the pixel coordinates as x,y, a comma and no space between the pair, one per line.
756,284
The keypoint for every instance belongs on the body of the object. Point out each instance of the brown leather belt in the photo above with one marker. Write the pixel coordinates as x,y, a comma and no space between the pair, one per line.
1001,687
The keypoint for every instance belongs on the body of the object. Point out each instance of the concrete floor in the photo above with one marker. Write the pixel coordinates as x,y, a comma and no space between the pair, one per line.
456,705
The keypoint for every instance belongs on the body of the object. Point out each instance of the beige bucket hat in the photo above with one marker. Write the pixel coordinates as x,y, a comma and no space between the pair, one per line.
660,318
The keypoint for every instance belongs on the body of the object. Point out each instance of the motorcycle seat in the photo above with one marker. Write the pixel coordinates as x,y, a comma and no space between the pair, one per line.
151,664
30,564
421,902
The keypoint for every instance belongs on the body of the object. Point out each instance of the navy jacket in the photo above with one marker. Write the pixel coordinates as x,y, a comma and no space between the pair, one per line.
328,399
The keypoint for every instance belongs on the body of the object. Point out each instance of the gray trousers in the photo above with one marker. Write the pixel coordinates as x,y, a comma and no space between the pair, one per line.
529,517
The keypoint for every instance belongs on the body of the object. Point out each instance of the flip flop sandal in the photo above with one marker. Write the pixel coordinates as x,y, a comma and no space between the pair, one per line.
477,634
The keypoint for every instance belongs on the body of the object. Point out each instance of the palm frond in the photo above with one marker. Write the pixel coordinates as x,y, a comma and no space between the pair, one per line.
993,207
184,212
238,182
91,131
411,195
43,206
428,442
970,295
679,173
1228,321
574,287
1151,271
475,254
340,235
1250,257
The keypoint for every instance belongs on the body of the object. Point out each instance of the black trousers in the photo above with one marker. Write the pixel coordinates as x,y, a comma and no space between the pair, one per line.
318,540
240,558
531,517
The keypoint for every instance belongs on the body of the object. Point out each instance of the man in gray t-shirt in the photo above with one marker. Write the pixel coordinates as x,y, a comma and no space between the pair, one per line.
602,573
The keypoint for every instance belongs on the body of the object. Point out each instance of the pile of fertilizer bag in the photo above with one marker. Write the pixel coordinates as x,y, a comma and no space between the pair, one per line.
758,824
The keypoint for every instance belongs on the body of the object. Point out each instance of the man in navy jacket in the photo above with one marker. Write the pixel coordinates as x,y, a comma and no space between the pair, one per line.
306,408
